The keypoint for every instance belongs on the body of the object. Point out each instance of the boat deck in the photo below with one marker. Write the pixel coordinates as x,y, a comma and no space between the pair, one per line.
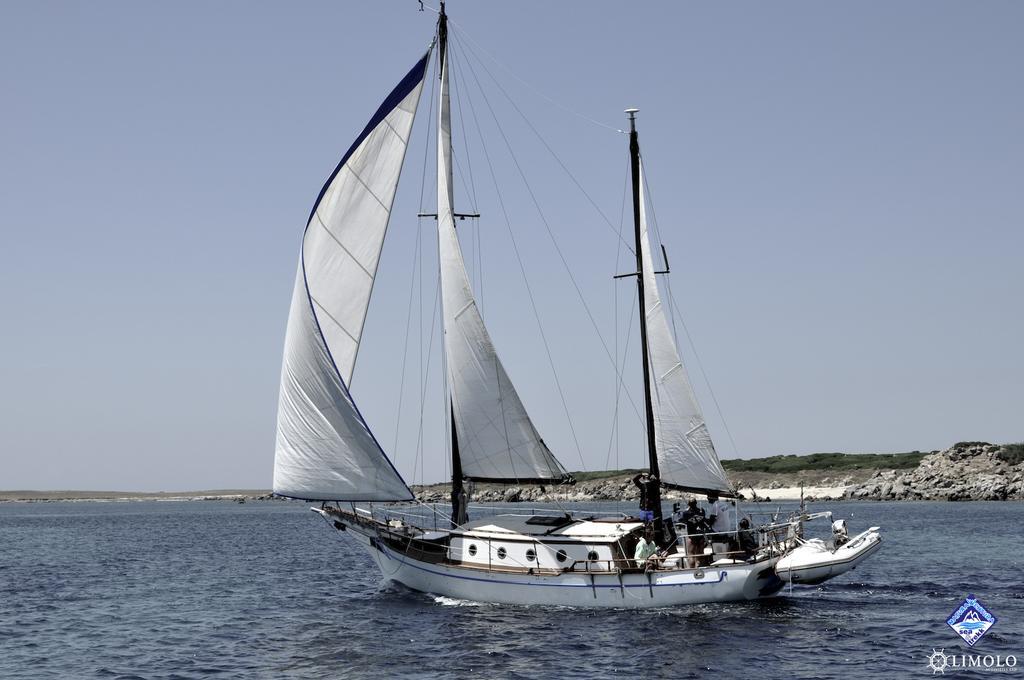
549,528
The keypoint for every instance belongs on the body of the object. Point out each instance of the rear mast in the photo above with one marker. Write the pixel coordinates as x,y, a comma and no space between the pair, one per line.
652,447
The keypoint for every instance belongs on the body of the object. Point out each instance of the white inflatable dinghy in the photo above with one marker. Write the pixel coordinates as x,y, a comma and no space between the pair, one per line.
813,561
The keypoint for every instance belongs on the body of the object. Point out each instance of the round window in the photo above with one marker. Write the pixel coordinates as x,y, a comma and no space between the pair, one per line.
472,549
561,556
501,553
531,555
592,555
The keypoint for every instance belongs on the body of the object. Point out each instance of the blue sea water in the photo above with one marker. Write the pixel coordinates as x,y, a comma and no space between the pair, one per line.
268,590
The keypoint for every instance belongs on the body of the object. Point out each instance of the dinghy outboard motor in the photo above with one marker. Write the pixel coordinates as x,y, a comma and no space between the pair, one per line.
839,533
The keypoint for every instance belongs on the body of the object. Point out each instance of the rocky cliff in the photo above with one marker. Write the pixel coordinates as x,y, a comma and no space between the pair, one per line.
968,471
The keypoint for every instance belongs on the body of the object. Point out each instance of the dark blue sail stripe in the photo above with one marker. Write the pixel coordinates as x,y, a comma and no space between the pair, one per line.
401,91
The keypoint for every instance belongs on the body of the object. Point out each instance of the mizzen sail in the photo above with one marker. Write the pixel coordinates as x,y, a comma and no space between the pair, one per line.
325,449
686,454
497,441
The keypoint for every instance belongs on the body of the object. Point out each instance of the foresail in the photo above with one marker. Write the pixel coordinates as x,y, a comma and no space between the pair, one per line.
325,450
686,454
497,439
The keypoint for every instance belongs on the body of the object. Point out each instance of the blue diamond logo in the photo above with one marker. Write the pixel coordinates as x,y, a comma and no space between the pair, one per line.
971,621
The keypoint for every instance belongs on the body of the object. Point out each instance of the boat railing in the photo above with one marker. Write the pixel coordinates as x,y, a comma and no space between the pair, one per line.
438,515
491,510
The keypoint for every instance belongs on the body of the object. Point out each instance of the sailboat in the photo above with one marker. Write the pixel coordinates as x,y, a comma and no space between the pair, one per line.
327,452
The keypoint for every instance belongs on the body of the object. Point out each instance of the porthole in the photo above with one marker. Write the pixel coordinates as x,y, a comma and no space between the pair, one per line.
501,553
472,549
531,555
561,556
592,555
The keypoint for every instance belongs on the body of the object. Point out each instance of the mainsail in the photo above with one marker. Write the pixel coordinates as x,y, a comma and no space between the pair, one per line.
686,454
325,449
497,441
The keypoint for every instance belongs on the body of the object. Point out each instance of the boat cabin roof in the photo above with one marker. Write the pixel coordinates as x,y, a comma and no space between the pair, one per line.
534,527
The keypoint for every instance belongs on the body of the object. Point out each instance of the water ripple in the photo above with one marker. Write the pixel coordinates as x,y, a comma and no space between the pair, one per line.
264,590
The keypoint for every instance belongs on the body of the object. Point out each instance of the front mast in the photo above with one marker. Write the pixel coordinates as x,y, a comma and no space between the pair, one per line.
459,499
652,447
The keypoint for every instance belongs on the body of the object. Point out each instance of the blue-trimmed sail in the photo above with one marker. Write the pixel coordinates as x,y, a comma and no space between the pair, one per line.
325,449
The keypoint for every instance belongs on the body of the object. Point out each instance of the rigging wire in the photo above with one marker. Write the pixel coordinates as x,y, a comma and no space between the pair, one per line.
417,263
426,376
519,259
550,232
700,365
469,184
551,151
619,383
535,90
471,187
613,436
405,352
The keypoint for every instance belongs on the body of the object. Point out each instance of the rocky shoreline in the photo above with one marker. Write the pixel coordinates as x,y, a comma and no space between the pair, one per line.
967,471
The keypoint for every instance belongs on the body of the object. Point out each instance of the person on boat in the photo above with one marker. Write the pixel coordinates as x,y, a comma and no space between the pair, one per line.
648,485
696,528
745,539
645,548
716,513
840,537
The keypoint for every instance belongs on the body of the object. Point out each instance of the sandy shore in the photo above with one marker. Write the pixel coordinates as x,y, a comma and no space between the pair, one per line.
792,493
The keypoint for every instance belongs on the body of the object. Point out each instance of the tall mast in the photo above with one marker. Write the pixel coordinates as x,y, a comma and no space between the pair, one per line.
459,499
652,448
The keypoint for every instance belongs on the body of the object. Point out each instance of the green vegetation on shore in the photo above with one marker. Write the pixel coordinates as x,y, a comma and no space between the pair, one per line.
794,463
604,474
1012,453
826,461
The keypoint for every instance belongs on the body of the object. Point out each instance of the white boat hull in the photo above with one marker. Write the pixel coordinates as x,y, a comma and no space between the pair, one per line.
724,583
814,563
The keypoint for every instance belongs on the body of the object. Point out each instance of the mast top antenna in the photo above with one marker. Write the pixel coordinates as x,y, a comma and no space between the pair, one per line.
632,118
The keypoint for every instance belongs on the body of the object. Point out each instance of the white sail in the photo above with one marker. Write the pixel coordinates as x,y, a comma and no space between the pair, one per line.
496,438
325,450
686,454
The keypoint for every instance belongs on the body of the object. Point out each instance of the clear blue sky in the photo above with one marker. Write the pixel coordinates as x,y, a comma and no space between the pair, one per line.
839,187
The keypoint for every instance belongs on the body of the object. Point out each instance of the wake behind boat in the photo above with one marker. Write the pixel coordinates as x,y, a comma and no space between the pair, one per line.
327,452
